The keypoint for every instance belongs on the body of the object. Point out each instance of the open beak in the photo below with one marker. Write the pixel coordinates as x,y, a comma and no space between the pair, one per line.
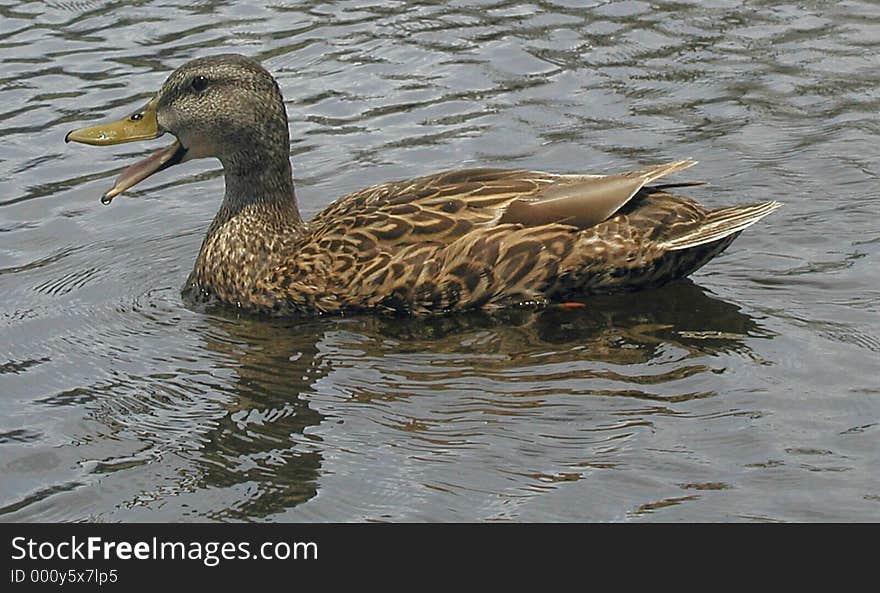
141,125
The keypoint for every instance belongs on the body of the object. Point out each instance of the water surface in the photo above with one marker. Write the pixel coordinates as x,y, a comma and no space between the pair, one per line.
749,394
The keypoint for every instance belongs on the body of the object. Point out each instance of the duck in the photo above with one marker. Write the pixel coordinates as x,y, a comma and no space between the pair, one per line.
466,239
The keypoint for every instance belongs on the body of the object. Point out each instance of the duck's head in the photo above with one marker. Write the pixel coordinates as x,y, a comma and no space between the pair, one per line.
225,106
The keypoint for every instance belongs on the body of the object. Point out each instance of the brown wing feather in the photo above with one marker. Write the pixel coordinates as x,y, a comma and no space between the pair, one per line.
584,201
446,206
580,203
441,207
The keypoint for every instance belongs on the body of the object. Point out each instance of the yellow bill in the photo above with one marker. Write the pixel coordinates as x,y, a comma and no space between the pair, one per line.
141,125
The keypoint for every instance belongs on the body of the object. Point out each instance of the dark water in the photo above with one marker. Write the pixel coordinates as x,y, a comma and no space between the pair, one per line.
751,394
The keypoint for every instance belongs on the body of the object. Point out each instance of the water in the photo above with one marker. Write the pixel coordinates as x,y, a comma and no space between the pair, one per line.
750,394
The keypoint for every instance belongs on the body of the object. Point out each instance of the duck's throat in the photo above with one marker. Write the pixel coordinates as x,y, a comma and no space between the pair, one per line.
258,185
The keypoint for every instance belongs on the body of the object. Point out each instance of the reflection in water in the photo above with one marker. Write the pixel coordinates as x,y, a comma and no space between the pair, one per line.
262,440
267,438
619,329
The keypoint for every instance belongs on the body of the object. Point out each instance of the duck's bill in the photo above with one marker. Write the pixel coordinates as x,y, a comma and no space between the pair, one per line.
141,125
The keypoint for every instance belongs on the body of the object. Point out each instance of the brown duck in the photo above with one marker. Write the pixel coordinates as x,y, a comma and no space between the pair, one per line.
467,239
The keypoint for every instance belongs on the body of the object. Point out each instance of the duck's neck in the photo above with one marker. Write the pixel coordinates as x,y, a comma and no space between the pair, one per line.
262,190
257,219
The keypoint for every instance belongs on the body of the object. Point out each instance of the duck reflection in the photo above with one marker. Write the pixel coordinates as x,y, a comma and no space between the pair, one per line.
268,438
263,441
620,329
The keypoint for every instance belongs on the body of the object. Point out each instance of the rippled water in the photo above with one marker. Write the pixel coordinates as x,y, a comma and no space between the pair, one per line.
750,394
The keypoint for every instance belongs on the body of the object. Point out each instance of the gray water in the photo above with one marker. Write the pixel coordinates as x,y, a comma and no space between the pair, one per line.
750,394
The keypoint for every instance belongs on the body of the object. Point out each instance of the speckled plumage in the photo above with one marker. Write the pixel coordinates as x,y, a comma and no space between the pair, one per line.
476,238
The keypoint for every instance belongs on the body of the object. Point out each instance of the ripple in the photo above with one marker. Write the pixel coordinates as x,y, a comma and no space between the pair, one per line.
742,396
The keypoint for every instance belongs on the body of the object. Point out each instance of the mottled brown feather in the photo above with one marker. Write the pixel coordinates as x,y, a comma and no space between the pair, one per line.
440,243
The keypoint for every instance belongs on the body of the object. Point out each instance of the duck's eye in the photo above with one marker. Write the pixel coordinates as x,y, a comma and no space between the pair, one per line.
199,83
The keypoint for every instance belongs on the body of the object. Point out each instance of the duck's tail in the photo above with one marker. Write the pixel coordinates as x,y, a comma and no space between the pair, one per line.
721,223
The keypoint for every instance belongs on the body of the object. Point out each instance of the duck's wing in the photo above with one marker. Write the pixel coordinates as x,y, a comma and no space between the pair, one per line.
584,201
445,206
